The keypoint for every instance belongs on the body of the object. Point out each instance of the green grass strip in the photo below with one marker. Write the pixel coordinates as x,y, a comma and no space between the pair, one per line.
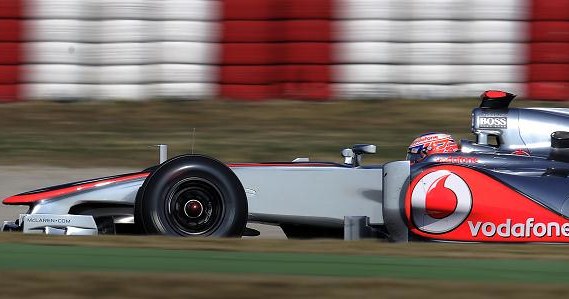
83,258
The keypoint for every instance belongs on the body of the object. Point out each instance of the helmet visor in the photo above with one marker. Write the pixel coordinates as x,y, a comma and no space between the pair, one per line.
414,157
416,153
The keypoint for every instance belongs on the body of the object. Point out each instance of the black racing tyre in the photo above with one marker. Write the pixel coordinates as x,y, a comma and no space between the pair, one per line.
192,195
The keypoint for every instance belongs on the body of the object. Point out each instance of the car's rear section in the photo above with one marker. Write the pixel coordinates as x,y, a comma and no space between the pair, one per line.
509,185
465,203
468,203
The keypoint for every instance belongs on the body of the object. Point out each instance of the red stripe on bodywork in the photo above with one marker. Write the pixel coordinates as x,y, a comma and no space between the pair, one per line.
34,197
235,165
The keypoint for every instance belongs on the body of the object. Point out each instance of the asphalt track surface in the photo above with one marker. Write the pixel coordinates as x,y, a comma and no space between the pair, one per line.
23,257
18,179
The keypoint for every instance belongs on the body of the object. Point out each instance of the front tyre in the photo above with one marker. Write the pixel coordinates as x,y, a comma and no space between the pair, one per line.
192,195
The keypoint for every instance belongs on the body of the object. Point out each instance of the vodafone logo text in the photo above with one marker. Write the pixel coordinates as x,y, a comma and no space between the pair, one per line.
440,202
527,229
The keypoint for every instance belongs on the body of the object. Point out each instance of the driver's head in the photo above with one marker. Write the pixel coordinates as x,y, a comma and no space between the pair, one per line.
429,144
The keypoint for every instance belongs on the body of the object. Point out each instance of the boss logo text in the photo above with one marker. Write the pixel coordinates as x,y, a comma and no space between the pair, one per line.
493,122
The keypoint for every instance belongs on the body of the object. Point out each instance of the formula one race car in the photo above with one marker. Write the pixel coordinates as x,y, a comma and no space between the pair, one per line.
509,185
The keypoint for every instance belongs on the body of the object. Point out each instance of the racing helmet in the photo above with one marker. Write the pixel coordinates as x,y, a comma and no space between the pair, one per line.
429,144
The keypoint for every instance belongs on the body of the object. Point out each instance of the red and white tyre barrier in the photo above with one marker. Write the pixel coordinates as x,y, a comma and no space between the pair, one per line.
285,49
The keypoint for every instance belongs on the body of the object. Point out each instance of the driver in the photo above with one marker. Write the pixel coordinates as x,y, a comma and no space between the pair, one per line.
430,144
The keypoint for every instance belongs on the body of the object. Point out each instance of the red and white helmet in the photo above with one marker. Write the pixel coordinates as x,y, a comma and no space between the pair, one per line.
430,144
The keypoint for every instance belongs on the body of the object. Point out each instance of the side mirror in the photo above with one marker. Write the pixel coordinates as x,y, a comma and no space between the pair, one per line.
353,156
364,149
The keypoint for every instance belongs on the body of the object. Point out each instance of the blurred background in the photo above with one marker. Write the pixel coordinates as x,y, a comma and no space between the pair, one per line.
122,62
142,72
282,49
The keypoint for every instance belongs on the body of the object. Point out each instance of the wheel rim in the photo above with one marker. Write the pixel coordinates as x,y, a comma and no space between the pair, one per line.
194,207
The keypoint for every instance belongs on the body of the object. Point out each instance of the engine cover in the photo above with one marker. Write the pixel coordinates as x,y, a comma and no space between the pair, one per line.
527,129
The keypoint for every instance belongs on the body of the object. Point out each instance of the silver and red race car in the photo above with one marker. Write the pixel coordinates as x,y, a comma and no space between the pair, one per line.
508,185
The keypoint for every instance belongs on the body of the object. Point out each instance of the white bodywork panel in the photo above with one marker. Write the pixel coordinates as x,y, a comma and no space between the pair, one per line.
312,195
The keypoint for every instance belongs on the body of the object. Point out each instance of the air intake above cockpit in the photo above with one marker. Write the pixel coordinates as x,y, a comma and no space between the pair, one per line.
496,99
